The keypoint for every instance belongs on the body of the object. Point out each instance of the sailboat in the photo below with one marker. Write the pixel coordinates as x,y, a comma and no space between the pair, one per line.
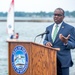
10,20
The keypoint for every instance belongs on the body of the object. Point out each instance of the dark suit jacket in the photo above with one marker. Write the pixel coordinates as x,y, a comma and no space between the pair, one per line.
64,55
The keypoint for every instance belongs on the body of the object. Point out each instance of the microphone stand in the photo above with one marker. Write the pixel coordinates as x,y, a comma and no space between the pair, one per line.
41,35
37,36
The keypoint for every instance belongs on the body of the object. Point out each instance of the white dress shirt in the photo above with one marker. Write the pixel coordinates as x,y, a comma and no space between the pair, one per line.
59,25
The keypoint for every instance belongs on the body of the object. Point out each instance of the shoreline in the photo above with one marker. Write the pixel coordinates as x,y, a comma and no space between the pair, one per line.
37,20
28,21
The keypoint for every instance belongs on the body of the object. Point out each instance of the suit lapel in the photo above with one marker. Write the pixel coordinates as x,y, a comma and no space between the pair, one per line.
50,30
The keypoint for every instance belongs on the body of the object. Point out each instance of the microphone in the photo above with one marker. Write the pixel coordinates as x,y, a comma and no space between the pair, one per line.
47,32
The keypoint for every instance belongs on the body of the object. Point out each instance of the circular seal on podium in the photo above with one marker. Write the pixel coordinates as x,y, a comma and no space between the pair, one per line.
19,59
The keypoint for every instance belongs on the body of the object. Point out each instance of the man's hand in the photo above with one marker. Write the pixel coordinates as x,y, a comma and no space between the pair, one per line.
64,39
48,44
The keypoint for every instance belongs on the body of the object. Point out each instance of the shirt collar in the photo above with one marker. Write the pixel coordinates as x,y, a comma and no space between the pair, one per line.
59,25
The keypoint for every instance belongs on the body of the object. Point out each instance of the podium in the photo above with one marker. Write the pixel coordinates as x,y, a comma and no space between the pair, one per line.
36,60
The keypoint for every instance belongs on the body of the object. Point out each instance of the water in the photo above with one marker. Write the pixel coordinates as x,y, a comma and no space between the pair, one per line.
27,31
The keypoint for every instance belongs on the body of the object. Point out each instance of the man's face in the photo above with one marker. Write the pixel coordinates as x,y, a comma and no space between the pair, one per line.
58,16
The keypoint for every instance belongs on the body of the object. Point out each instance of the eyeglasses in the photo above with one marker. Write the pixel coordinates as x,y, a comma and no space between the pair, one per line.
58,15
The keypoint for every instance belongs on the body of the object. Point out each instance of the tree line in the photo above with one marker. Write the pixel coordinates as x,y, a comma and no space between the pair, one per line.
36,14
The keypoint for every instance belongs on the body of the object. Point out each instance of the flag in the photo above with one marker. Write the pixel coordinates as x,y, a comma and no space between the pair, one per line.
10,19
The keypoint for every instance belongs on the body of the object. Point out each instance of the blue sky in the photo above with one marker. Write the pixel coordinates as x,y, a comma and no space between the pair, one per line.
38,5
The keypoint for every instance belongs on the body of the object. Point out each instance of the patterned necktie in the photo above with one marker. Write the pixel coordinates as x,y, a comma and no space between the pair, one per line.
55,32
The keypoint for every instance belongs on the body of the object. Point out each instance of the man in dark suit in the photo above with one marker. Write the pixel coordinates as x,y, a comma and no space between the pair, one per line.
64,39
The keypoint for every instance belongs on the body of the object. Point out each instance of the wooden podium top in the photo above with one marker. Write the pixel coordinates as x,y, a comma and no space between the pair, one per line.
22,41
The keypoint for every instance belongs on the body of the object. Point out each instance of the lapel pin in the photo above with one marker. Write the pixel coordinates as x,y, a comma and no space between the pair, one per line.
62,26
